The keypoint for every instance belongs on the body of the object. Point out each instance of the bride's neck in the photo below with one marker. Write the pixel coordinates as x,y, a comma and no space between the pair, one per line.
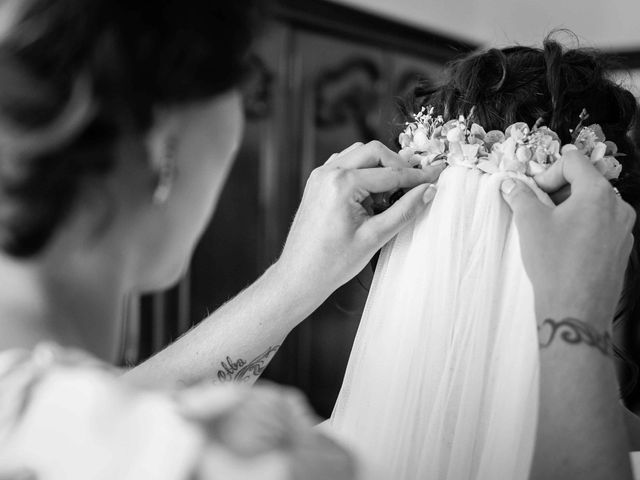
67,302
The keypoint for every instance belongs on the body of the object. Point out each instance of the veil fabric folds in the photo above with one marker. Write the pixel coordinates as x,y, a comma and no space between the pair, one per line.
442,382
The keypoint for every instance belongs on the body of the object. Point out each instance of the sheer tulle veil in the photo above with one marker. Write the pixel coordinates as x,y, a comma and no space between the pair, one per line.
442,382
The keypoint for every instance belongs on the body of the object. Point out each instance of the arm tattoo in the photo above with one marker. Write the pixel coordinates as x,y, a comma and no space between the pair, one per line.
574,332
243,371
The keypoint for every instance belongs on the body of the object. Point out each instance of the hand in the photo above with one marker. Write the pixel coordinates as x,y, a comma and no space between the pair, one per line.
575,254
261,432
334,234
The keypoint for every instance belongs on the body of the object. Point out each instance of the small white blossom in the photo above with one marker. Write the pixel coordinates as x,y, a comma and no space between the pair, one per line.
610,167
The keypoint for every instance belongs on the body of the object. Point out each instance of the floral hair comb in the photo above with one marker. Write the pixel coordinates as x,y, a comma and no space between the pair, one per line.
429,140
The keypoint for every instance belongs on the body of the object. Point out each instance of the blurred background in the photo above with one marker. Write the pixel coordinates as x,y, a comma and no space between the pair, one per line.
325,75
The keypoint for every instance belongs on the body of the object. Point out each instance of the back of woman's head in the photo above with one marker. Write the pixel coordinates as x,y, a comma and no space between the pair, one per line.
75,75
524,84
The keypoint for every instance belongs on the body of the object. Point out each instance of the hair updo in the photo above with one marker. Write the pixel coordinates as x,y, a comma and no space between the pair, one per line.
76,74
524,84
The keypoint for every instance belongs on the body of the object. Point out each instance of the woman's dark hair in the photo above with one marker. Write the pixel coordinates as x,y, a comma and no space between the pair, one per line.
524,84
76,74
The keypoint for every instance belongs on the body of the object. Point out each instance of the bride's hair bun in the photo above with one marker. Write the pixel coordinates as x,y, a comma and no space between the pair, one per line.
75,73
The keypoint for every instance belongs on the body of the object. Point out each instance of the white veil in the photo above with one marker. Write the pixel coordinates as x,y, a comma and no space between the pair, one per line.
442,382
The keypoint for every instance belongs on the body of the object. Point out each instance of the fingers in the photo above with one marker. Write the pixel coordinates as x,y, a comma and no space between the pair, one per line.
351,148
378,180
333,157
628,215
522,200
373,154
386,225
628,246
561,195
433,171
573,168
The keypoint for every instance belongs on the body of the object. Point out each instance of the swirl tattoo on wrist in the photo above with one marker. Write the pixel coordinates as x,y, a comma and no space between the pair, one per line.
574,332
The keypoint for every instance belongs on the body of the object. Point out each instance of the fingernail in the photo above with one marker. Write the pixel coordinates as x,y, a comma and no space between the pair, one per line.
428,195
507,186
439,163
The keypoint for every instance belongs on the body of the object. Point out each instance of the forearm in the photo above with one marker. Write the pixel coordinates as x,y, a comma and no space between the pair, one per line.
237,342
580,427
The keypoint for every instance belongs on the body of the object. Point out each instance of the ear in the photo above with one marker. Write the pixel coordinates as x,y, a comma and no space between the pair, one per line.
164,129
162,144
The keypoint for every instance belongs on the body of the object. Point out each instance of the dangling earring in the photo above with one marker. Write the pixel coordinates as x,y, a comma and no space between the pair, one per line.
166,172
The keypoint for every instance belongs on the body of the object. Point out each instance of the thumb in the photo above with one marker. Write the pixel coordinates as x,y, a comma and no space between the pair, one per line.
387,224
521,199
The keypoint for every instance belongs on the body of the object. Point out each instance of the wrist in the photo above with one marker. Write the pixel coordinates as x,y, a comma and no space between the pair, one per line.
589,309
573,331
299,295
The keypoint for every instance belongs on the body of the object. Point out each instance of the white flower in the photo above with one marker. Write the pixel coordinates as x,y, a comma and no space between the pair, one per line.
423,153
534,168
476,134
420,139
405,139
588,137
493,137
547,155
610,167
455,135
598,152
463,154
541,156
545,140
453,125
518,131
488,165
567,148
504,155
436,146
612,148
523,154
546,132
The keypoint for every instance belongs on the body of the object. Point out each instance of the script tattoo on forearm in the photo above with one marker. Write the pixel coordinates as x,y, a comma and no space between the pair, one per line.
242,371
574,332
